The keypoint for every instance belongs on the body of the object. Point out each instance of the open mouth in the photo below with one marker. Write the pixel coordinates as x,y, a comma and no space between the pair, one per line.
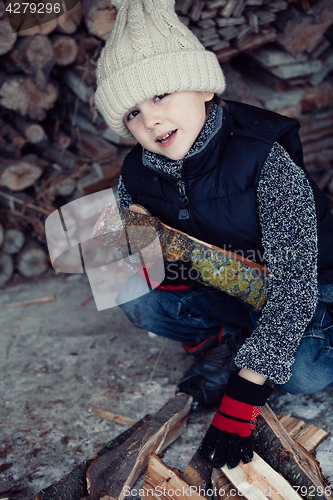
167,137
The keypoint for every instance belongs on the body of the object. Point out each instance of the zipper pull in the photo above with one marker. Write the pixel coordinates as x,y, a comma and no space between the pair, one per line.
183,202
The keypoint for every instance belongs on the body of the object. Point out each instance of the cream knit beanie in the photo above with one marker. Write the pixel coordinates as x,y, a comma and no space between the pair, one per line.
150,52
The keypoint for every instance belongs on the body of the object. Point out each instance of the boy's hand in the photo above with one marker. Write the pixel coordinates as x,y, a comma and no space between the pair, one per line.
229,435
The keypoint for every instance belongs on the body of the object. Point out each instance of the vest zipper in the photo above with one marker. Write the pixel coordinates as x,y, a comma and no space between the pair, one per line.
183,201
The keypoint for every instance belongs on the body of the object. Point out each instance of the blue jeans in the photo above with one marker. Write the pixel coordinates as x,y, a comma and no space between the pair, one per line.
194,314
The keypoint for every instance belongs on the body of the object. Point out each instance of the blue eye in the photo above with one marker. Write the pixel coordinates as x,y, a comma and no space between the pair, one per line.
132,114
160,97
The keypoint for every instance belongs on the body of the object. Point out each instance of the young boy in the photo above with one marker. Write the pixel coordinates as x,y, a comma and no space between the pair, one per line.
231,175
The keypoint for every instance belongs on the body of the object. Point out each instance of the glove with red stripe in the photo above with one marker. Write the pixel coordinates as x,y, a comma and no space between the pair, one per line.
229,435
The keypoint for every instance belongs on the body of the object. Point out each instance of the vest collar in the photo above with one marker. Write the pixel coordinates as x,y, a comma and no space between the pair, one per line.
173,168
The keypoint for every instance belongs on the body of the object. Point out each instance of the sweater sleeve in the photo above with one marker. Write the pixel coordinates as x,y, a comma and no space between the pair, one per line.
289,235
125,199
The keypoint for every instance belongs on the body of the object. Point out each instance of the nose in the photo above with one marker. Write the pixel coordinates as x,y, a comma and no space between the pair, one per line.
151,119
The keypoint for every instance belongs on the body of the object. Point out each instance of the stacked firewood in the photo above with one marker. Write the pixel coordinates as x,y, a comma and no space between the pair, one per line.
55,147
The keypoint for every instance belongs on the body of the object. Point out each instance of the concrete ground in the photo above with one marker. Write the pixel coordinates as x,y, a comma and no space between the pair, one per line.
59,359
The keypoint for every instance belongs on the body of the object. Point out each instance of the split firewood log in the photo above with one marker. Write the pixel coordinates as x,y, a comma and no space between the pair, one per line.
20,93
69,22
35,55
7,37
162,482
213,266
13,241
198,471
20,175
99,16
289,458
65,49
74,485
110,476
307,435
32,261
6,268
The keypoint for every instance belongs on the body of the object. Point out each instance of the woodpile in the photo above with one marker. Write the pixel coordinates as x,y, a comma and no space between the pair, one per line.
284,51
282,467
54,145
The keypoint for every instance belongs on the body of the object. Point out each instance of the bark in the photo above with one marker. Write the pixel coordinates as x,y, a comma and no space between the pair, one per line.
198,472
213,266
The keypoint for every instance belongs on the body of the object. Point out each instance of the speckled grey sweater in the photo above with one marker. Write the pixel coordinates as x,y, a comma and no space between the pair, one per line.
289,235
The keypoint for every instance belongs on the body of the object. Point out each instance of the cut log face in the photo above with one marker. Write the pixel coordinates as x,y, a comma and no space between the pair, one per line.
65,48
99,16
21,94
13,242
35,133
20,176
32,262
110,476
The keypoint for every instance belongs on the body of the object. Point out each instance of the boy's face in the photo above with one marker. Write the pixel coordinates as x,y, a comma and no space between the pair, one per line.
169,124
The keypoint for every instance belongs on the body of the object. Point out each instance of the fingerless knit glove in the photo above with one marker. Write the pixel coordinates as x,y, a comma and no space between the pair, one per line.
229,435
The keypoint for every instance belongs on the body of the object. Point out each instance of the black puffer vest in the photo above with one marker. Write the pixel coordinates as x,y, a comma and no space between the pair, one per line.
221,182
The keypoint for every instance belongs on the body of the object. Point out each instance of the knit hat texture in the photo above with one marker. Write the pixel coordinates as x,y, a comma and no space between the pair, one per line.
150,52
